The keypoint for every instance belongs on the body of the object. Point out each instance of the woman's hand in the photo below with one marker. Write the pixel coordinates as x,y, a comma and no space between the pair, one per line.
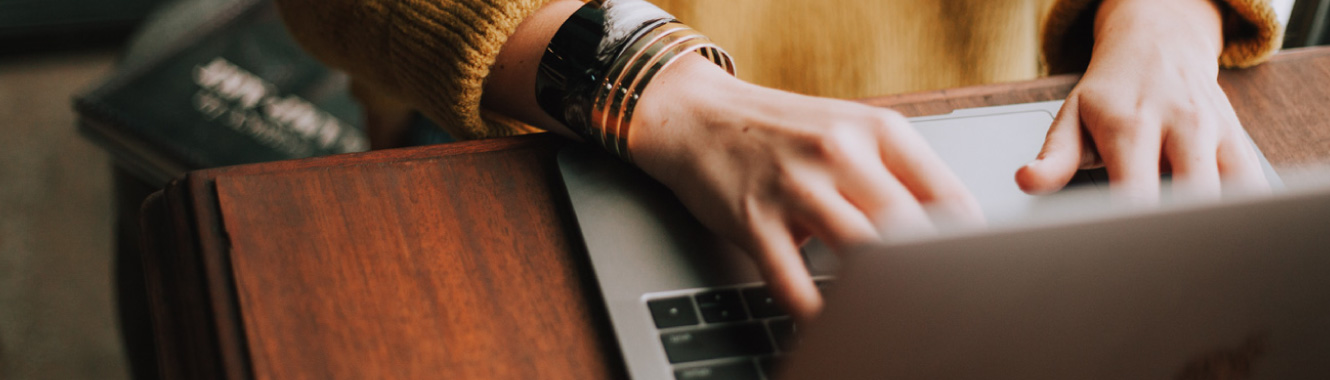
766,169
1150,102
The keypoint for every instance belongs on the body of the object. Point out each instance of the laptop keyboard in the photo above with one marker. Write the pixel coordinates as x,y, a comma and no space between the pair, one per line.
728,333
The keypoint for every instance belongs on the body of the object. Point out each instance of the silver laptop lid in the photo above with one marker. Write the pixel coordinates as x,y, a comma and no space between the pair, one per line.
1236,289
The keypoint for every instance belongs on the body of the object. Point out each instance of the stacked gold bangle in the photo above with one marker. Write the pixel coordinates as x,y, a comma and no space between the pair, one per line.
619,91
600,61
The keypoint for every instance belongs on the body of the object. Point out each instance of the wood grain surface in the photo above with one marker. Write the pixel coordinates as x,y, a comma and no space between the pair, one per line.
463,260
371,262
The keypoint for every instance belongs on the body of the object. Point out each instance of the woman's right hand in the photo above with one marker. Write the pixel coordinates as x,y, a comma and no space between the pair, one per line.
767,169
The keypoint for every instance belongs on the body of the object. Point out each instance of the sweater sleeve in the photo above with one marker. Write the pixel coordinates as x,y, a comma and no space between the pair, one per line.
432,54
1252,34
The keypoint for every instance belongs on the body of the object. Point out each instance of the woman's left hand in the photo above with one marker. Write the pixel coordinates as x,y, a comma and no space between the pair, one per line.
1149,103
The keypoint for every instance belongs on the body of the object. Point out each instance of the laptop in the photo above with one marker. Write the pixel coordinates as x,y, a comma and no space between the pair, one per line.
685,304
1234,290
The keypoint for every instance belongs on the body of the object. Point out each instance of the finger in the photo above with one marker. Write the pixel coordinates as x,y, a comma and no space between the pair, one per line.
1240,166
916,171
783,268
892,208
1062,154
839,223
1130,148
1191,156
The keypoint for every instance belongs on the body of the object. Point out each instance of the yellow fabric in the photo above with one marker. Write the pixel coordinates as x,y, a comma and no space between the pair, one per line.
854,49
434,54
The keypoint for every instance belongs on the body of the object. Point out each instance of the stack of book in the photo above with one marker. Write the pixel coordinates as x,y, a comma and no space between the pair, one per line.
232,89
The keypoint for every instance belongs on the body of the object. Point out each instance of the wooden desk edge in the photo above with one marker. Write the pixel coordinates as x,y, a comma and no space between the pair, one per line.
185,329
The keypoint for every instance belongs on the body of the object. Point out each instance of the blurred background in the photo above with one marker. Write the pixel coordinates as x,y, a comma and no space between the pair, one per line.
105,101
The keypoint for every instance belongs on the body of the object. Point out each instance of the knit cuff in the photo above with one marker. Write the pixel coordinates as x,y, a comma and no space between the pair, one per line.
1252,34
443,51
435,54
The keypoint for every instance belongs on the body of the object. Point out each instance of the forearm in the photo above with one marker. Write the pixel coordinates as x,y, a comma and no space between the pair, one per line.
1249,29
1192,28
510,88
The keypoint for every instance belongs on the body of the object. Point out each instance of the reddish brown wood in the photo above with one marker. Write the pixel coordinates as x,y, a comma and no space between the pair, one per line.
469,278
944,101
462,260
1285,105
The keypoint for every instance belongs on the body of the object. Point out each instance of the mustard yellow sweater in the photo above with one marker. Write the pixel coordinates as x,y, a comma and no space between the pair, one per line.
434,55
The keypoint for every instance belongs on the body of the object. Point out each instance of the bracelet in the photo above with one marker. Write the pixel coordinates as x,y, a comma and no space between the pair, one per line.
612,112
601,60
582,50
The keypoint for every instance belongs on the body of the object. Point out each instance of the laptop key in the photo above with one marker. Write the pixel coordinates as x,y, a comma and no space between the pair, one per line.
730,371
748,339
721,306
672,312
823,286
761,304
785,333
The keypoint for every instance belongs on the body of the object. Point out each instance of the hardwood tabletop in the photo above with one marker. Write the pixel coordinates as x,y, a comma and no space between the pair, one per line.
464,261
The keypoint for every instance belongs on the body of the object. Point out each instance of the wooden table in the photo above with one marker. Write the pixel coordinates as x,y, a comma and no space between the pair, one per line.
463,260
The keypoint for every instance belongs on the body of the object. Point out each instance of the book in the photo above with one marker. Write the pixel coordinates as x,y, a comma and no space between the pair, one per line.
231,88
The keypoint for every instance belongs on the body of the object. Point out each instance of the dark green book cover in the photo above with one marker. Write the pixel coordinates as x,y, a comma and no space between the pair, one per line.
234,89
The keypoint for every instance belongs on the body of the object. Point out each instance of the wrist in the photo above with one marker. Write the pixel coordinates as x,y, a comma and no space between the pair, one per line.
1193,28
677,109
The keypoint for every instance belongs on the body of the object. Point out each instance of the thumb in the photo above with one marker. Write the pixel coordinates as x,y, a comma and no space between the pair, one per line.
1061,156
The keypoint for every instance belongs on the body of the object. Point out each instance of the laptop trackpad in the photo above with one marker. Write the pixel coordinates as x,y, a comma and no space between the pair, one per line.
985,151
